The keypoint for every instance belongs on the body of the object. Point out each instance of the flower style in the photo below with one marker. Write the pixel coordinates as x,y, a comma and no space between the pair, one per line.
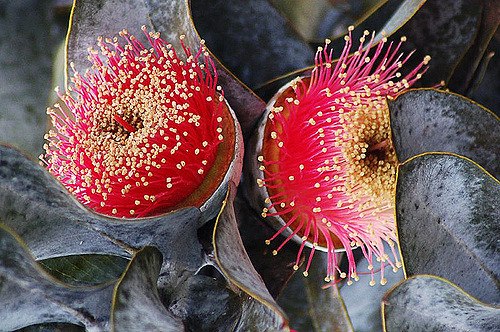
144,132
327,166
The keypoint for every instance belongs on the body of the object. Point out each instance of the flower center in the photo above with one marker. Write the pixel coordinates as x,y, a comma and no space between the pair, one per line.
328,166
369,153
145,135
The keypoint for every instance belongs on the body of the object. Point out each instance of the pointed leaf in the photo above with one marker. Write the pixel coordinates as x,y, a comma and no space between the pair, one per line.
399,12
28,295
237,267
448,222
91,19
443,29
428,303
425,120
136,302
55,225
388,16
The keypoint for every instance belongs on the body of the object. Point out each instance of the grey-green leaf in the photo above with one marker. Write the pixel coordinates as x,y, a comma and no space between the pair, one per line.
136,301
237,267
431,304
28,295
426,120
44,214
448,222
54,225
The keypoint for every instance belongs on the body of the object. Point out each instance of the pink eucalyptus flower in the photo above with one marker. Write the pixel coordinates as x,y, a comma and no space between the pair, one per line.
327,166
143,131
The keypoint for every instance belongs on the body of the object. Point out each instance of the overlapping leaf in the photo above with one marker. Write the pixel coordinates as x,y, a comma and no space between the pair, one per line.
445,30
55,226
425,120
236,265
28,295
448,222
190,285
427,303
401,12
136,302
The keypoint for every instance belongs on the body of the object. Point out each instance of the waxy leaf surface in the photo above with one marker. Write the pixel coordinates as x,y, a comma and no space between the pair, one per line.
56,228
428,303
136,302
448,222
236,265
28,295
426,120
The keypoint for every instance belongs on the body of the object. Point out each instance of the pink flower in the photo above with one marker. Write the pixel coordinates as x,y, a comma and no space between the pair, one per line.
327,165
142,131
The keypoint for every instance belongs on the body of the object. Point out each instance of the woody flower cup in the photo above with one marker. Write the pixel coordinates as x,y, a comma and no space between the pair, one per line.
145,131
324,167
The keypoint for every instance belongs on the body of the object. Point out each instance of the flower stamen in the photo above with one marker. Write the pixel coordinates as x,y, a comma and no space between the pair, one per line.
127,126
327,168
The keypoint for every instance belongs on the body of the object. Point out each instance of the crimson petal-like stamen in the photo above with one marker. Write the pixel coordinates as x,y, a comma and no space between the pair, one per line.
144,132
326,166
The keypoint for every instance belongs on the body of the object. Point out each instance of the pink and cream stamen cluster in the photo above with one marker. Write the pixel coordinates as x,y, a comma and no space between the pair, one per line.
139,130
331,177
